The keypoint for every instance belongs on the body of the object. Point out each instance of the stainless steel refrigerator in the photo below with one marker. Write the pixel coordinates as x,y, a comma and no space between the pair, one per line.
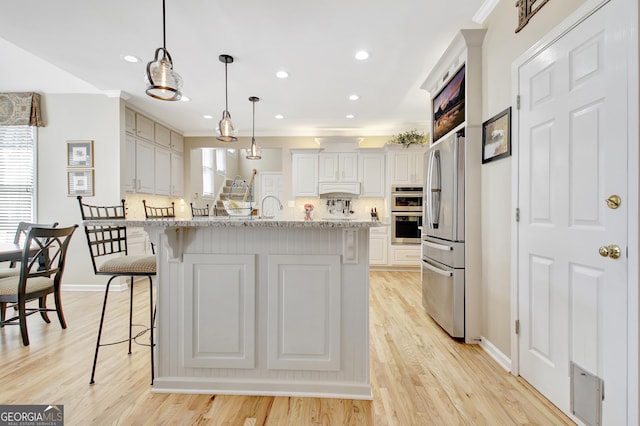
443,235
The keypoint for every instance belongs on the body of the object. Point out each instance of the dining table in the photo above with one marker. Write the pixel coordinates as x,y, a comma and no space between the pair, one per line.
12,252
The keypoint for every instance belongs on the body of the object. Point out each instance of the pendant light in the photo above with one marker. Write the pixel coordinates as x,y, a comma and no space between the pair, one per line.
254,150
162,81
226,132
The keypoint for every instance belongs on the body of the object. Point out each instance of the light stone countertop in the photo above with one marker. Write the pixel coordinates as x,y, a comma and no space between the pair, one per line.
241,222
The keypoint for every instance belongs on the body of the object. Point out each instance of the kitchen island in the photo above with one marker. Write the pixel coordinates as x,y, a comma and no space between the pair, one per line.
262,307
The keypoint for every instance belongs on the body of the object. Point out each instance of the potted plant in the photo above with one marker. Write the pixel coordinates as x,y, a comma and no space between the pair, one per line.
409,137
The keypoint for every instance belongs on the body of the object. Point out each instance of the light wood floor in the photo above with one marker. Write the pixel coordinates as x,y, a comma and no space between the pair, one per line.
419,375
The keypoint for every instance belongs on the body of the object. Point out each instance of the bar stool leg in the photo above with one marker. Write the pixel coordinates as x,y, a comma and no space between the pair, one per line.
151,319
104,306
130,313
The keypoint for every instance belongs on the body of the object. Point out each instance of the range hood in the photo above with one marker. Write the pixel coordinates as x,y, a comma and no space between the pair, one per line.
339,188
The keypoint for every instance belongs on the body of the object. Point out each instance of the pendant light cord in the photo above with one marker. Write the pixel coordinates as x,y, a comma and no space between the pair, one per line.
164,31
253,132
226,88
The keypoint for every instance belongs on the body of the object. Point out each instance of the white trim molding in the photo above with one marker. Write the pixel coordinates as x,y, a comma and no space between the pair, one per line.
484,11
495,353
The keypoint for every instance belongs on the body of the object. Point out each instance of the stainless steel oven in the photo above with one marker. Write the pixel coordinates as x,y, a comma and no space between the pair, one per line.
406,227
406,198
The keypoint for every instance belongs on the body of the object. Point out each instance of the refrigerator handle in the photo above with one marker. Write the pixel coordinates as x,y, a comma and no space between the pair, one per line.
436,190
427,193
437,246
436,269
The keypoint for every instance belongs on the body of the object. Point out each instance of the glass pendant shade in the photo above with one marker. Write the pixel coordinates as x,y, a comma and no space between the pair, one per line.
162,81
254,152
225,129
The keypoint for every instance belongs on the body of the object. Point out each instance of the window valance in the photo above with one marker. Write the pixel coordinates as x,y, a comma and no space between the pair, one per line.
20,109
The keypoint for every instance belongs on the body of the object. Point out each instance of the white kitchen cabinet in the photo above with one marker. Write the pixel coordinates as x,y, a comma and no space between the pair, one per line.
378,246
372,174
405,255
144,127
162,171
162,135
139,166
177,142
137,242
169,171
406,165
304,168
130,121
177,175
338,167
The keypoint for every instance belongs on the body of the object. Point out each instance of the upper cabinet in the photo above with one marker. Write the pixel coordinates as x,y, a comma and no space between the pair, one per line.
177,142
406,165
163,135
145,128
154,162
338,167
304,168
371,166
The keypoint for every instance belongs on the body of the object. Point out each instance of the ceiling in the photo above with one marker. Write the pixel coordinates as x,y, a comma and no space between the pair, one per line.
314,42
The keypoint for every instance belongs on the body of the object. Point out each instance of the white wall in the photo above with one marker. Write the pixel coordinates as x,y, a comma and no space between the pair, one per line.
501,47
77,117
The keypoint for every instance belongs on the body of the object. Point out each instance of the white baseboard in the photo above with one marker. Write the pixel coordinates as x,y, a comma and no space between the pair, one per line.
495,353
94,287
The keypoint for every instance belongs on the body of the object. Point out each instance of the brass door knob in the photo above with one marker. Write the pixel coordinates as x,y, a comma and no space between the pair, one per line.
612,251
613,202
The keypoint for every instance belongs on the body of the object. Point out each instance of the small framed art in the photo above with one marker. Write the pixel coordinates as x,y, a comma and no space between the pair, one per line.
79,153
496,137
80,182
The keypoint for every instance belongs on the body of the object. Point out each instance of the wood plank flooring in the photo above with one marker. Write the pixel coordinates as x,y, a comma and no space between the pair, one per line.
420,376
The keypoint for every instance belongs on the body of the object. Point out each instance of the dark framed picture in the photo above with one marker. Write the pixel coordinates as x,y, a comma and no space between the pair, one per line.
79,153
80,182
496,137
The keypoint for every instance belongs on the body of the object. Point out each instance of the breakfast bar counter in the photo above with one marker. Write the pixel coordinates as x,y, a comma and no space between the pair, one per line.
262,307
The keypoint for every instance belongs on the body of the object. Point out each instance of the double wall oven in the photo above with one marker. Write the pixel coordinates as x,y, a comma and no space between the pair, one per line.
406,214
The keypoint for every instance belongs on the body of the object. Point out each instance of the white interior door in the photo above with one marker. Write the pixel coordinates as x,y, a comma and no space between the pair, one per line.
572,301
270,184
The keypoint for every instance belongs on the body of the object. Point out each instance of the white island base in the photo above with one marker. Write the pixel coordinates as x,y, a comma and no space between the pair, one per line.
263,308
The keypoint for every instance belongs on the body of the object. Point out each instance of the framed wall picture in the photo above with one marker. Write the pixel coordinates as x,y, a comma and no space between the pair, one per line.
80,182
80,153
496,137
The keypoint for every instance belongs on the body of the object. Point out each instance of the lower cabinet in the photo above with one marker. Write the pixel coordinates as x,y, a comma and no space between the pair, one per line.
405,255
304,305
302,315
378,246
219,310
138,242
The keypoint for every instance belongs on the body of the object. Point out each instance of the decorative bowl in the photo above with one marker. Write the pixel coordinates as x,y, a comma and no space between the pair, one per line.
238,208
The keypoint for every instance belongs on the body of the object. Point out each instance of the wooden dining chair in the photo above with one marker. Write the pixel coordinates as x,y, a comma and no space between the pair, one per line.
22,230
109,256
41,268
199,211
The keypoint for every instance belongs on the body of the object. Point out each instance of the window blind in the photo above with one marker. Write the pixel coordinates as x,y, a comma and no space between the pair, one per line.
17,145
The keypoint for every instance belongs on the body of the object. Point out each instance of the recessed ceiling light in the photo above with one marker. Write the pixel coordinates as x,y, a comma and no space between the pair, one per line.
130,58
350,116
361,55
282,74
185,98
354,97
279,116
208,117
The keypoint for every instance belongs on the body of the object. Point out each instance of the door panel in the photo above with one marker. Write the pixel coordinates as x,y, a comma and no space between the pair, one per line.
572,156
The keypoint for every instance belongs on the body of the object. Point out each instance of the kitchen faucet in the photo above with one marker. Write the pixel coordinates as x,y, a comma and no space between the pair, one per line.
262,206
